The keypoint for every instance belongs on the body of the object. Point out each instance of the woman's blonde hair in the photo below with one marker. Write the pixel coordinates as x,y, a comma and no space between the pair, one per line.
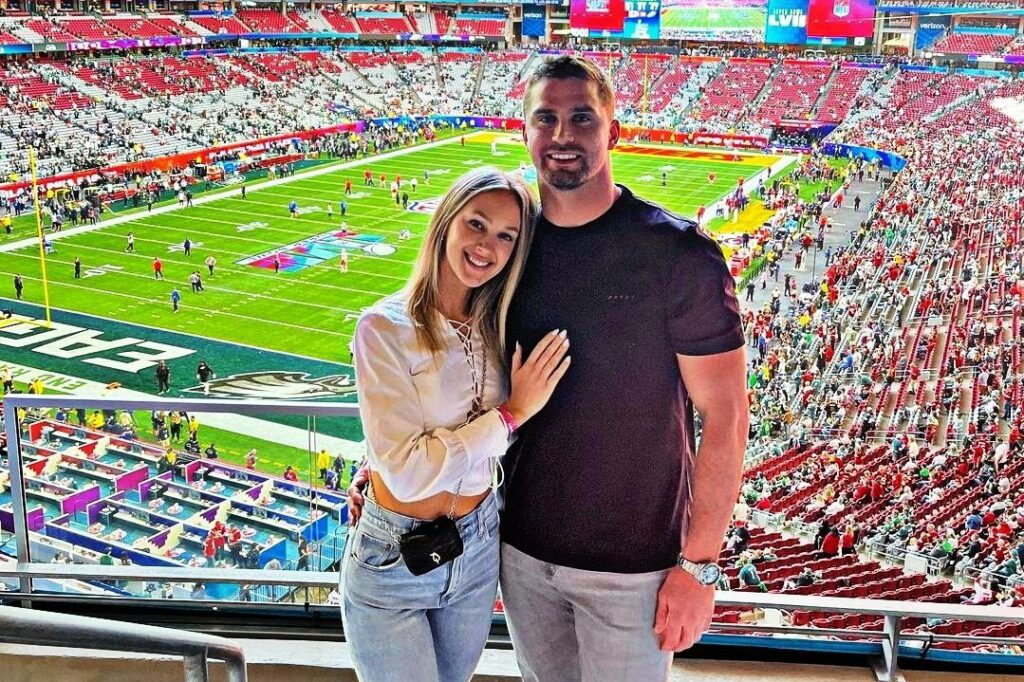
488,303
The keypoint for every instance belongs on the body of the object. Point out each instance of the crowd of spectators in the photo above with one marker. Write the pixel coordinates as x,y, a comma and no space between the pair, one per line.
892,391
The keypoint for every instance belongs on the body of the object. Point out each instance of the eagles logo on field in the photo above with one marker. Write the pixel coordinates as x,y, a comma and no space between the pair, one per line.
279,386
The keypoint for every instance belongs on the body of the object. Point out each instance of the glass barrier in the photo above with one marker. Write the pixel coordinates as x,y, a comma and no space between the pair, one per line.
176,484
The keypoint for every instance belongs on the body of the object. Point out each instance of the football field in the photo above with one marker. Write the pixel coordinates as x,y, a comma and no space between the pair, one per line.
681,19
310,307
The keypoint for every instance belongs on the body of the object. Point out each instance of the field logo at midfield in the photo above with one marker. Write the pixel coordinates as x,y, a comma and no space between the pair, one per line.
318,248
278,385
427,206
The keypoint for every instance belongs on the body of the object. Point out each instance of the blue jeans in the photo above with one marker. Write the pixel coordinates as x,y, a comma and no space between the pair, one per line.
428,628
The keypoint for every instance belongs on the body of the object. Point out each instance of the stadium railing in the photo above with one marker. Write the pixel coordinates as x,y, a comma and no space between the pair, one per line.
33,577
41,628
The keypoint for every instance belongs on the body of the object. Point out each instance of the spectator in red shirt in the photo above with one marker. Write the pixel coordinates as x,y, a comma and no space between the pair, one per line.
831,544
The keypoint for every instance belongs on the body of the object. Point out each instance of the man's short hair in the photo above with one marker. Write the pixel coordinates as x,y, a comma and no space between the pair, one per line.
570,66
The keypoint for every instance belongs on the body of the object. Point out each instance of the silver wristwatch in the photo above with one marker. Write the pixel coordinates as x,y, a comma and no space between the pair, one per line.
707,574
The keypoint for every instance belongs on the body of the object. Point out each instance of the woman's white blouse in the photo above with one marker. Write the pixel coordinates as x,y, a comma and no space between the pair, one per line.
414,407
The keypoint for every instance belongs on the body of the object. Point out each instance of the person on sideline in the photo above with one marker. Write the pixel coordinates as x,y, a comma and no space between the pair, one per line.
432,392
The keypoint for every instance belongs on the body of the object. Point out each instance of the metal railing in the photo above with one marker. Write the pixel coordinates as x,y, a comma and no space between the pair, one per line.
43,628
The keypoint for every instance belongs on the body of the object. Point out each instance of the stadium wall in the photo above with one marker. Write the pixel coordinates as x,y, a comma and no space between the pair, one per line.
183,159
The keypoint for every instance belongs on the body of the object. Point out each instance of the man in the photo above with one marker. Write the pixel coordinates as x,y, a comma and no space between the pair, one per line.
211,263
243,189
588,597
130,246
187,246
78,268
323,463
163,377
205,373
175,299
211,451
19,286
158,269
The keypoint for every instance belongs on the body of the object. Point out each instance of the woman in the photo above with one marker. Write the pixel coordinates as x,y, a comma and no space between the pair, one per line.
420,571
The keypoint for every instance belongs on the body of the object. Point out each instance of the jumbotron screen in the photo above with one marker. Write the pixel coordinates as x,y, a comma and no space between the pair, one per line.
721,20
841,18
597,15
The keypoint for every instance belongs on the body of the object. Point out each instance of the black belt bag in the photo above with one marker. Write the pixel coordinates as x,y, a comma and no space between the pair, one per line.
431,545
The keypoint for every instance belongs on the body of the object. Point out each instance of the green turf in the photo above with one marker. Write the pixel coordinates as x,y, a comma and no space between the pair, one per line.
712,18
311,312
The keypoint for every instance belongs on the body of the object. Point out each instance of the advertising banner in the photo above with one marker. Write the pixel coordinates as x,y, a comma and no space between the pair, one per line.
787,22
597,15
534,20
929,29
132,43
643,22
841,18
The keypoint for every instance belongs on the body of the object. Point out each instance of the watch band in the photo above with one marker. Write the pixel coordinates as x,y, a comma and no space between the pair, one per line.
696,569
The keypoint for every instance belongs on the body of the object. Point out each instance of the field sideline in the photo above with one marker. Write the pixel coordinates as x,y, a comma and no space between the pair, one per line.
311,310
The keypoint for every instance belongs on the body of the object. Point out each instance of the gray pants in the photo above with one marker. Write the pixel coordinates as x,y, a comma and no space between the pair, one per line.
570,625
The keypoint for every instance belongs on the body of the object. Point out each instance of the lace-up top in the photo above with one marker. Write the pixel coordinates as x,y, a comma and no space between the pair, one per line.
428,424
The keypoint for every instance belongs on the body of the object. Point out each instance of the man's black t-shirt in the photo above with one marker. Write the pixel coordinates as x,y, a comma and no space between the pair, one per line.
597,480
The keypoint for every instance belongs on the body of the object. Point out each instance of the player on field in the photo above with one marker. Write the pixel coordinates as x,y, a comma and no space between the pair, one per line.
130,246
293,208
343,264
330,210
413,182
204,373
348,187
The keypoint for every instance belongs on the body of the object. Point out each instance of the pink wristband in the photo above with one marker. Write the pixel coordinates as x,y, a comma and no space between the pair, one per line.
510,421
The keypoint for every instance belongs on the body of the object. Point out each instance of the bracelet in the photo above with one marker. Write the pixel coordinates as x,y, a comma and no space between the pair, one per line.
510,421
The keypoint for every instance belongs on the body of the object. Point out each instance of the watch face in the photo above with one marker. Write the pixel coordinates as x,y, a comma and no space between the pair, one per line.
709,574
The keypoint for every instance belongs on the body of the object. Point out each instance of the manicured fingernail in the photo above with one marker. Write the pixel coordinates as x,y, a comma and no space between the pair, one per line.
563,333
